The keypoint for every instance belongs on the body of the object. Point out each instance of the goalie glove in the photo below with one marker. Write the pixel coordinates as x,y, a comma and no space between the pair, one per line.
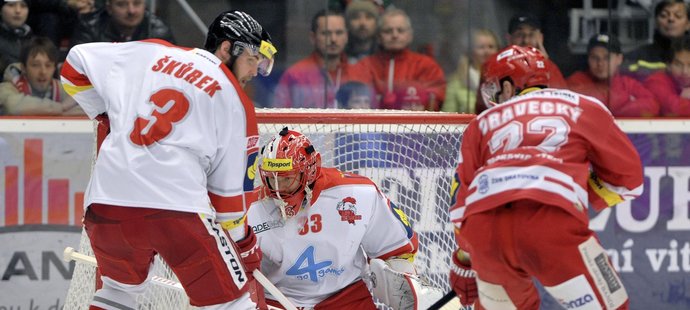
396,284
463,280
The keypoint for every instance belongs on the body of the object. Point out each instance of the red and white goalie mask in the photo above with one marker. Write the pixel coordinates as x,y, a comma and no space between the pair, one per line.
288,165
523,67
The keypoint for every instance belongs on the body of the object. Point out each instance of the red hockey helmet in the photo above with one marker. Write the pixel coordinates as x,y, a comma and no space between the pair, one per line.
524,67
288,165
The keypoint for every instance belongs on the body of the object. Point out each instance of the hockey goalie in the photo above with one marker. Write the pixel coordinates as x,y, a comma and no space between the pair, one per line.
317,227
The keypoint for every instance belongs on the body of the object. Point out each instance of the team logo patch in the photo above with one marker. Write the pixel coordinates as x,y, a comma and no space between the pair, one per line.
348,211
483,184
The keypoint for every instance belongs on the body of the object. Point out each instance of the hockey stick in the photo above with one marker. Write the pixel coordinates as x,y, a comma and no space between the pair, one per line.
445,300
70,254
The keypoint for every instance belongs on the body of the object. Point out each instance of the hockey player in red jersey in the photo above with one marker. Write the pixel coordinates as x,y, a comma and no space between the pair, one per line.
530,167
317,226
172,177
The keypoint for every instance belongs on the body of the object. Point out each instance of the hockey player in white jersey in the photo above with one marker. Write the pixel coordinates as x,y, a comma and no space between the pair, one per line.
182,136
317,227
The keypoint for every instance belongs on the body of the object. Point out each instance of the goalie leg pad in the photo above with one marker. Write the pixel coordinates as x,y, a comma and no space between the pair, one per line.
116,295
395,283
244,302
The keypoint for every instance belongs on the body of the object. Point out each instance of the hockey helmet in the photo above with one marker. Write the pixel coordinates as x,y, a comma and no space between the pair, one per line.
288,165
524,67
245,33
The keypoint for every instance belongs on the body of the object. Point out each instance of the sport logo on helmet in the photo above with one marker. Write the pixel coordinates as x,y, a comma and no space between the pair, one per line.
277,164
505,54
348,211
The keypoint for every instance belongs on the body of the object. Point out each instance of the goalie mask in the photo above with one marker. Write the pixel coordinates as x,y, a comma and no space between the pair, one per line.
288,166
524,67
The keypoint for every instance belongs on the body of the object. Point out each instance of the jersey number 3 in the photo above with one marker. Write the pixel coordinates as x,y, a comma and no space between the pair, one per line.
169,106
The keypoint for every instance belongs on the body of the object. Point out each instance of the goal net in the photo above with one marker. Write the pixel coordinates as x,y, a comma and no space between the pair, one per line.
410,155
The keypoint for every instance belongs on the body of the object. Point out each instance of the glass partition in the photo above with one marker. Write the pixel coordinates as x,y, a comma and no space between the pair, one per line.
447,42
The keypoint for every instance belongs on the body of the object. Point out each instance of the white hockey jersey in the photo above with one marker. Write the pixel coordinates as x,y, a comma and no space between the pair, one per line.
181,128
318,252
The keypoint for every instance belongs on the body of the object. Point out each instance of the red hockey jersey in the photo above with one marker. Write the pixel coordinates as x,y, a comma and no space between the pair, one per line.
553,146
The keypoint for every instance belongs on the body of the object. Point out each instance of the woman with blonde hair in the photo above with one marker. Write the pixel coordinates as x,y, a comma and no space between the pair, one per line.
463,83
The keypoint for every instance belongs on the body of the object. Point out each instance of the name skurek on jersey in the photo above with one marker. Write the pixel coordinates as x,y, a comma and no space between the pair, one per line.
188,73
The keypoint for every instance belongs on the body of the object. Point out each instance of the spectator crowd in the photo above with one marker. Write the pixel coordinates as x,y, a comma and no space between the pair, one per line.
362,58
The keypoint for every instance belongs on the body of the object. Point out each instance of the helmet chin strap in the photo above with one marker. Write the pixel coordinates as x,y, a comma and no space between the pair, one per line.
283,205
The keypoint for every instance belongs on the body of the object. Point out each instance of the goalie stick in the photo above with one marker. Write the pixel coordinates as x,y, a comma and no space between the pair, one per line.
446,300
70,254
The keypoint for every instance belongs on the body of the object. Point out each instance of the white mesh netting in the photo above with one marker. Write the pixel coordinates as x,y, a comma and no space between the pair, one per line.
411,156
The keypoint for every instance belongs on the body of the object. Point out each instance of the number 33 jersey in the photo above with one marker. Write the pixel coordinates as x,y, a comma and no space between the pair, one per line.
318,252
181,128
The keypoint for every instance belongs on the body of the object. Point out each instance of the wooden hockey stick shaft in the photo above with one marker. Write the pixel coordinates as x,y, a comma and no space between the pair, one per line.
70,254
273,290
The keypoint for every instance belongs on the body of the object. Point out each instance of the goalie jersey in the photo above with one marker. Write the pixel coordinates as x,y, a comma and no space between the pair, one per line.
553,146
181,128
319,251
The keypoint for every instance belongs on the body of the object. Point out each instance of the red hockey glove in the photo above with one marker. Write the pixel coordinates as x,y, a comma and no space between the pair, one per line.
463,280
251,257
250,251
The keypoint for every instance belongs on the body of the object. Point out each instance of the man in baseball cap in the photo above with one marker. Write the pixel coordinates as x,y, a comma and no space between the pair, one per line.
524,29
623,95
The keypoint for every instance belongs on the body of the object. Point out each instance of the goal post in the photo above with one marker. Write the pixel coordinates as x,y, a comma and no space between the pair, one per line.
411,156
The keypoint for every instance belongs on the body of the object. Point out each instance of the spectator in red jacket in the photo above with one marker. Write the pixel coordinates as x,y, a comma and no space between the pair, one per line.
313,81
672,86
623,95
395,66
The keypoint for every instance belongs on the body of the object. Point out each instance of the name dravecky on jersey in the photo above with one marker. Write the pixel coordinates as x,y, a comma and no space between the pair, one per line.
495,119
188,73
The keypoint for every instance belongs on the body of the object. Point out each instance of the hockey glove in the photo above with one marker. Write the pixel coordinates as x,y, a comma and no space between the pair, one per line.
463,280
250,251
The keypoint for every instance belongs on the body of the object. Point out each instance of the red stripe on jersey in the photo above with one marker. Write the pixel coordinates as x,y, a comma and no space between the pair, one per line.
250,114
166,43
72,75
232,203
409,248
566,185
